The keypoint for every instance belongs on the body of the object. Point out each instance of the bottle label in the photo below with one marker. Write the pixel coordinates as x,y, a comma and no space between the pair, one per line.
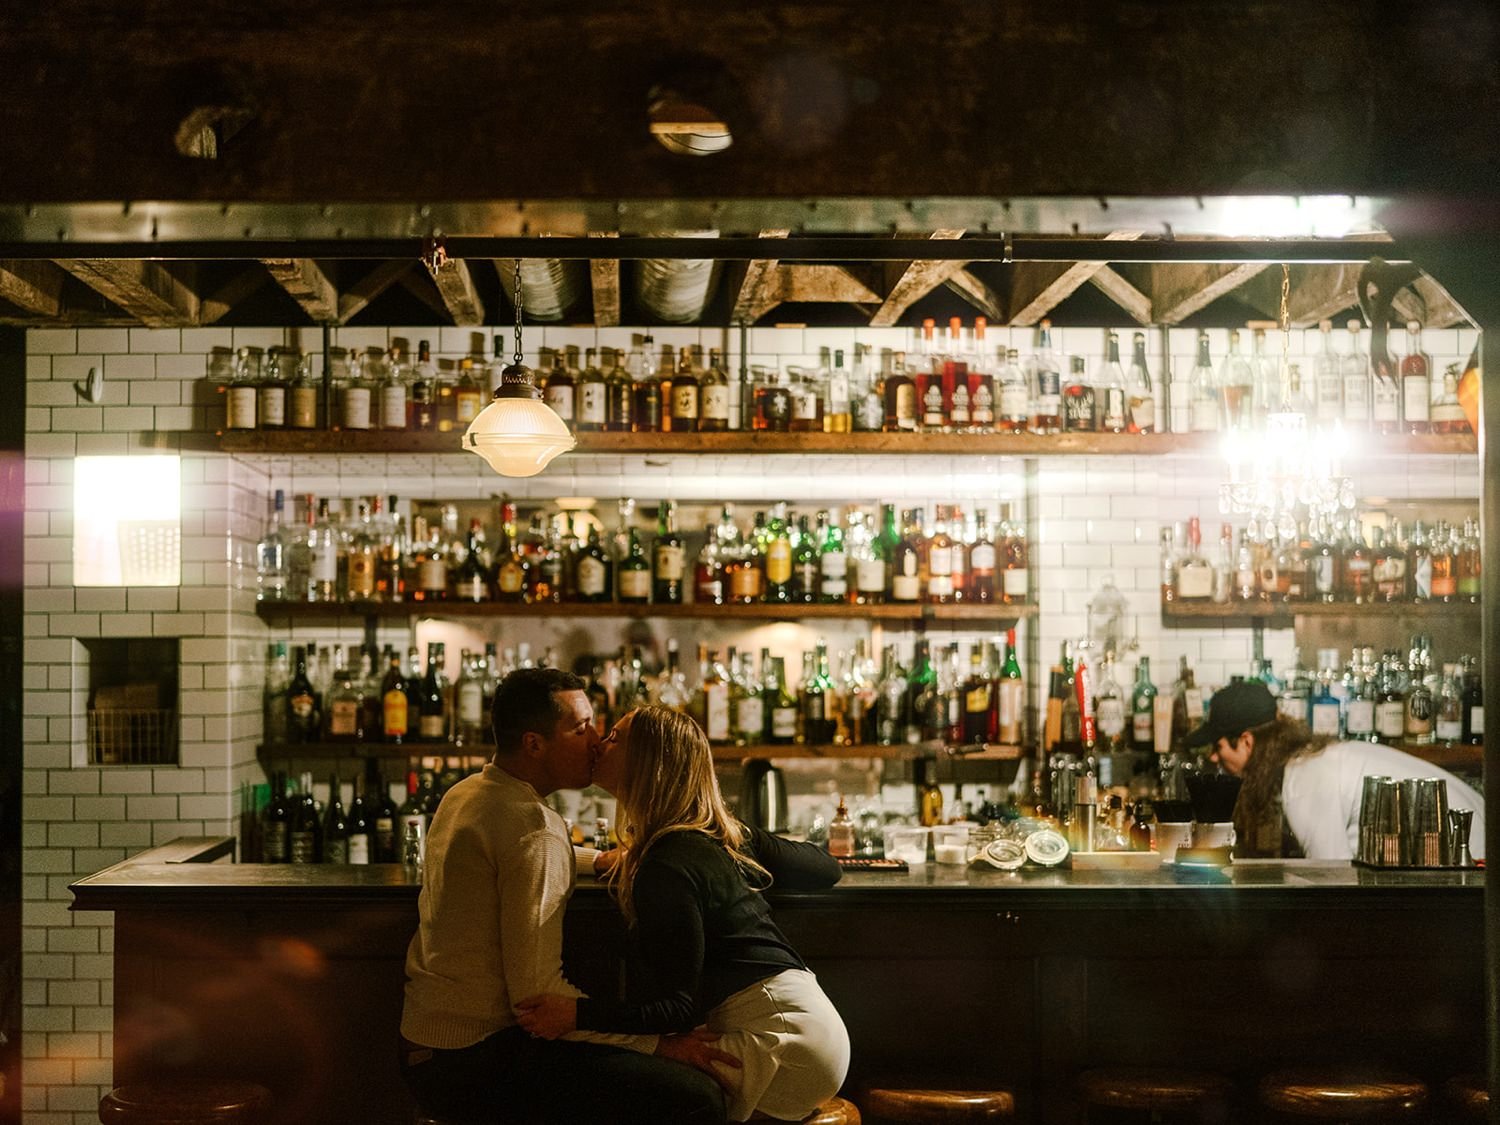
1012,709
1112,416
671,562
807,576
393,406
982,401
635,583
1322,568
940,586
590,577
1476,720
1109,713
1330,396
982,557
359,848
335,851
715,404
783,722
393,708
779,562
1444,585
804,404
511,577
1450,730
1359,720
1390,719
1141,731
303,848
1416,398
1203,415
1357,398
1143,413
471,589
869,413
1387,400
869,576
560,399
716,712
432,575
1422,577
932,404
750,717
1013,402
906,587
940,561
906,406
356,408
1013,582
977,699
361,574
304,407
273,405
1048,393
274,847
838,393
467,406
241,408
745,581
470,703
591,403
343,718
431,726
834,566
958,411
684,401
1325,718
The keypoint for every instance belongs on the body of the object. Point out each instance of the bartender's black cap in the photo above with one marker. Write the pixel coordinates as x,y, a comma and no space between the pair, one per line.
1233,710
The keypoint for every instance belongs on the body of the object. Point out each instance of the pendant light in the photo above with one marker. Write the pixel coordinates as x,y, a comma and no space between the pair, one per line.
517,433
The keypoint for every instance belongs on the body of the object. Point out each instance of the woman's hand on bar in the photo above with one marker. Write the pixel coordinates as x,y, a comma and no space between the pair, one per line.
548,1015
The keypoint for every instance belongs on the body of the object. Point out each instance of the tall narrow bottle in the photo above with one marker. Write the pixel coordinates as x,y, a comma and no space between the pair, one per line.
1328,379
1110,405
1140,404
1236,387
668,557
1416,383
1203,391
1046,385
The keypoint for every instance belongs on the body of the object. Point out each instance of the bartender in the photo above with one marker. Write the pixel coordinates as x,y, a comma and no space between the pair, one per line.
1307,788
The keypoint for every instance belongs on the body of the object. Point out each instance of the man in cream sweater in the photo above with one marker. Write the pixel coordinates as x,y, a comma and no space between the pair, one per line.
499,871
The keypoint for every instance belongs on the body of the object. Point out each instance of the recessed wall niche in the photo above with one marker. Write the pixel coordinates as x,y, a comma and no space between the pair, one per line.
131,690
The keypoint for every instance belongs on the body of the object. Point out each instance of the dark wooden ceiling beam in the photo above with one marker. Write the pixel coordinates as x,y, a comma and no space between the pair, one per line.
420,285
306,283
1119,290
218,303
604,283
455,284
1316,293
1439,309
1179,291
1039,287
756,285
148,291
913,282
354,298
33,287
978,293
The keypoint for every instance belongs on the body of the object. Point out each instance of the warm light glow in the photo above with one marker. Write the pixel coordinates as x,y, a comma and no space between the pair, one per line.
1282,468
1286,216
127,521
518,437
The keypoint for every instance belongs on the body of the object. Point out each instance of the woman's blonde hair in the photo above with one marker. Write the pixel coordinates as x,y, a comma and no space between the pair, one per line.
1258,826
669,786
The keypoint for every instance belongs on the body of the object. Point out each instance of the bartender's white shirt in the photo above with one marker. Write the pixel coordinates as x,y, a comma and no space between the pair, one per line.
1321,793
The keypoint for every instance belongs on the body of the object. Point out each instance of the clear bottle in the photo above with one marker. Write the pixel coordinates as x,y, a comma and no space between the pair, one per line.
1204,411
1416,383
272,393
647,416
836,418
1014,394
747,703
1111,406
715,688
866,403
388,379
1354,366
324,548
1236,387
1140,398
1328,379
900,397
1324,711
1195,575
890,700
1224,566
353,394
841,833
1269,396
303,392
242,396
807,396
1385,392
361,556
271,562
1046,384
591,408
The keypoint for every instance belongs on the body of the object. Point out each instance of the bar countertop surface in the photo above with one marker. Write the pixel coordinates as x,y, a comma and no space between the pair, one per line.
1263,883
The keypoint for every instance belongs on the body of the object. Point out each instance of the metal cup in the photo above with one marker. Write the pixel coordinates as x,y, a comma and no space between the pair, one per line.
1460,823
1431,821
1367,803
1408,827
1386,831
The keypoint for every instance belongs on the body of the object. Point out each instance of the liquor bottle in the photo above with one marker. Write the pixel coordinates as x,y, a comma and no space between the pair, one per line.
433,719
686,404
242,395
1014,395
468,395
619,396
341,712
1328,379
1390,706
1236,387
1112,411
866,403
1448,724
1419,564
1269,394
805,567
744,566
929,795
773,402
668,558
634,578
715,689
271,562
422,390
1195,577
395,702
1473,703
1447,412
1246,585
361,551
814,702
836,419
413,811
1223,566
1143,709
780,703
271,400
1015,580
590,400
303,391
708,571
646,415
592,571
981,382
1420,707
1010,711
1045,384
978,690
841,832
1140,397
1359,567
1078,398
807,401
671,686
1323,563
1385,394
831,562
922,718
713,396
512,565
890,698
906,562
1109,709
306,835
469,720
1467,564
1416,383
747,703
560,389
940,548
778,556
900,397
1445,549
956,406
323,551
1359,708
1354,371
867,552
1325,715
335,826
981,562
444,390
361,827
1204,410
302,717
931,403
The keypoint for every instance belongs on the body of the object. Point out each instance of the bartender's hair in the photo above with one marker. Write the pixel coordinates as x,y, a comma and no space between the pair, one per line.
1276,744
669,786
526,700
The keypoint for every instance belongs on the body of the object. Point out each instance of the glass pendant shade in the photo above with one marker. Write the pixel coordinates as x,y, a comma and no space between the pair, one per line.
517,433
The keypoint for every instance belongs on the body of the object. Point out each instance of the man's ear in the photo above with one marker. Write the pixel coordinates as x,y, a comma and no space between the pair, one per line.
531,744
1249,741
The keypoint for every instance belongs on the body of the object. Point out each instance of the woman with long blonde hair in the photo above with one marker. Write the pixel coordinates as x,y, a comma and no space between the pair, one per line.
689,883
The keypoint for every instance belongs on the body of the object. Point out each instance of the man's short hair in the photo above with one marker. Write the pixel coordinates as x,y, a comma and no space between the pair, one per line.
526,700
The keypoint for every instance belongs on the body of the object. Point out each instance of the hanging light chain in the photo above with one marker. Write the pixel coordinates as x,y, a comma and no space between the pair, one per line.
518,310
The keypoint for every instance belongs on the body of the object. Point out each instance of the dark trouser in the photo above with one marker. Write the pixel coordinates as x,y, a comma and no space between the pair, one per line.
513,1078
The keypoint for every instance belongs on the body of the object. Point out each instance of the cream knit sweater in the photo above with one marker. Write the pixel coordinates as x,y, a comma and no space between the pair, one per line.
499,871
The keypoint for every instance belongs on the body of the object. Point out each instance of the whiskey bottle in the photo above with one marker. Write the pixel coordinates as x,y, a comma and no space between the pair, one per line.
1078,398
981,382
1416,383
900,397
1113,411
668,557
713,396
1046,385
1140,404
686,398
805,565
559,389
619,397
468,395
832,561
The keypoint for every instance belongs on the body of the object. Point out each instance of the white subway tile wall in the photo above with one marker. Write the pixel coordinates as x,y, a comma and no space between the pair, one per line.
1094,519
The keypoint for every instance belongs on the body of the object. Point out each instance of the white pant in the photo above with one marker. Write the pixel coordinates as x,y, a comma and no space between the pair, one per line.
791,1041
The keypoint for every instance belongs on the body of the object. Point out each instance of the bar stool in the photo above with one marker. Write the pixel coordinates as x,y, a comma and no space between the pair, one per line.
939,1107
1468,1094
835,1111
1343,1095
185,1102
1166,1095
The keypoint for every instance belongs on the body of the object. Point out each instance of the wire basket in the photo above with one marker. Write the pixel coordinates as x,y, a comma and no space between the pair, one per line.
137,736
150,552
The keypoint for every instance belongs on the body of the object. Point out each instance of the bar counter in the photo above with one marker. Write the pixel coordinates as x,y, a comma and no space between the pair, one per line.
292,975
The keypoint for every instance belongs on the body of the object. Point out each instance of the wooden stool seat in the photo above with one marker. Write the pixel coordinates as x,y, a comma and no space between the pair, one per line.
835,1111
1152,1088
185,1102
940,1107
1469,1095
1348,1095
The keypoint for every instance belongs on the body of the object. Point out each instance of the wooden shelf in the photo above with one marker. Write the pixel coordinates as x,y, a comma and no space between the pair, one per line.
282,751
1458,757
1005,445
1283,614
327,611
